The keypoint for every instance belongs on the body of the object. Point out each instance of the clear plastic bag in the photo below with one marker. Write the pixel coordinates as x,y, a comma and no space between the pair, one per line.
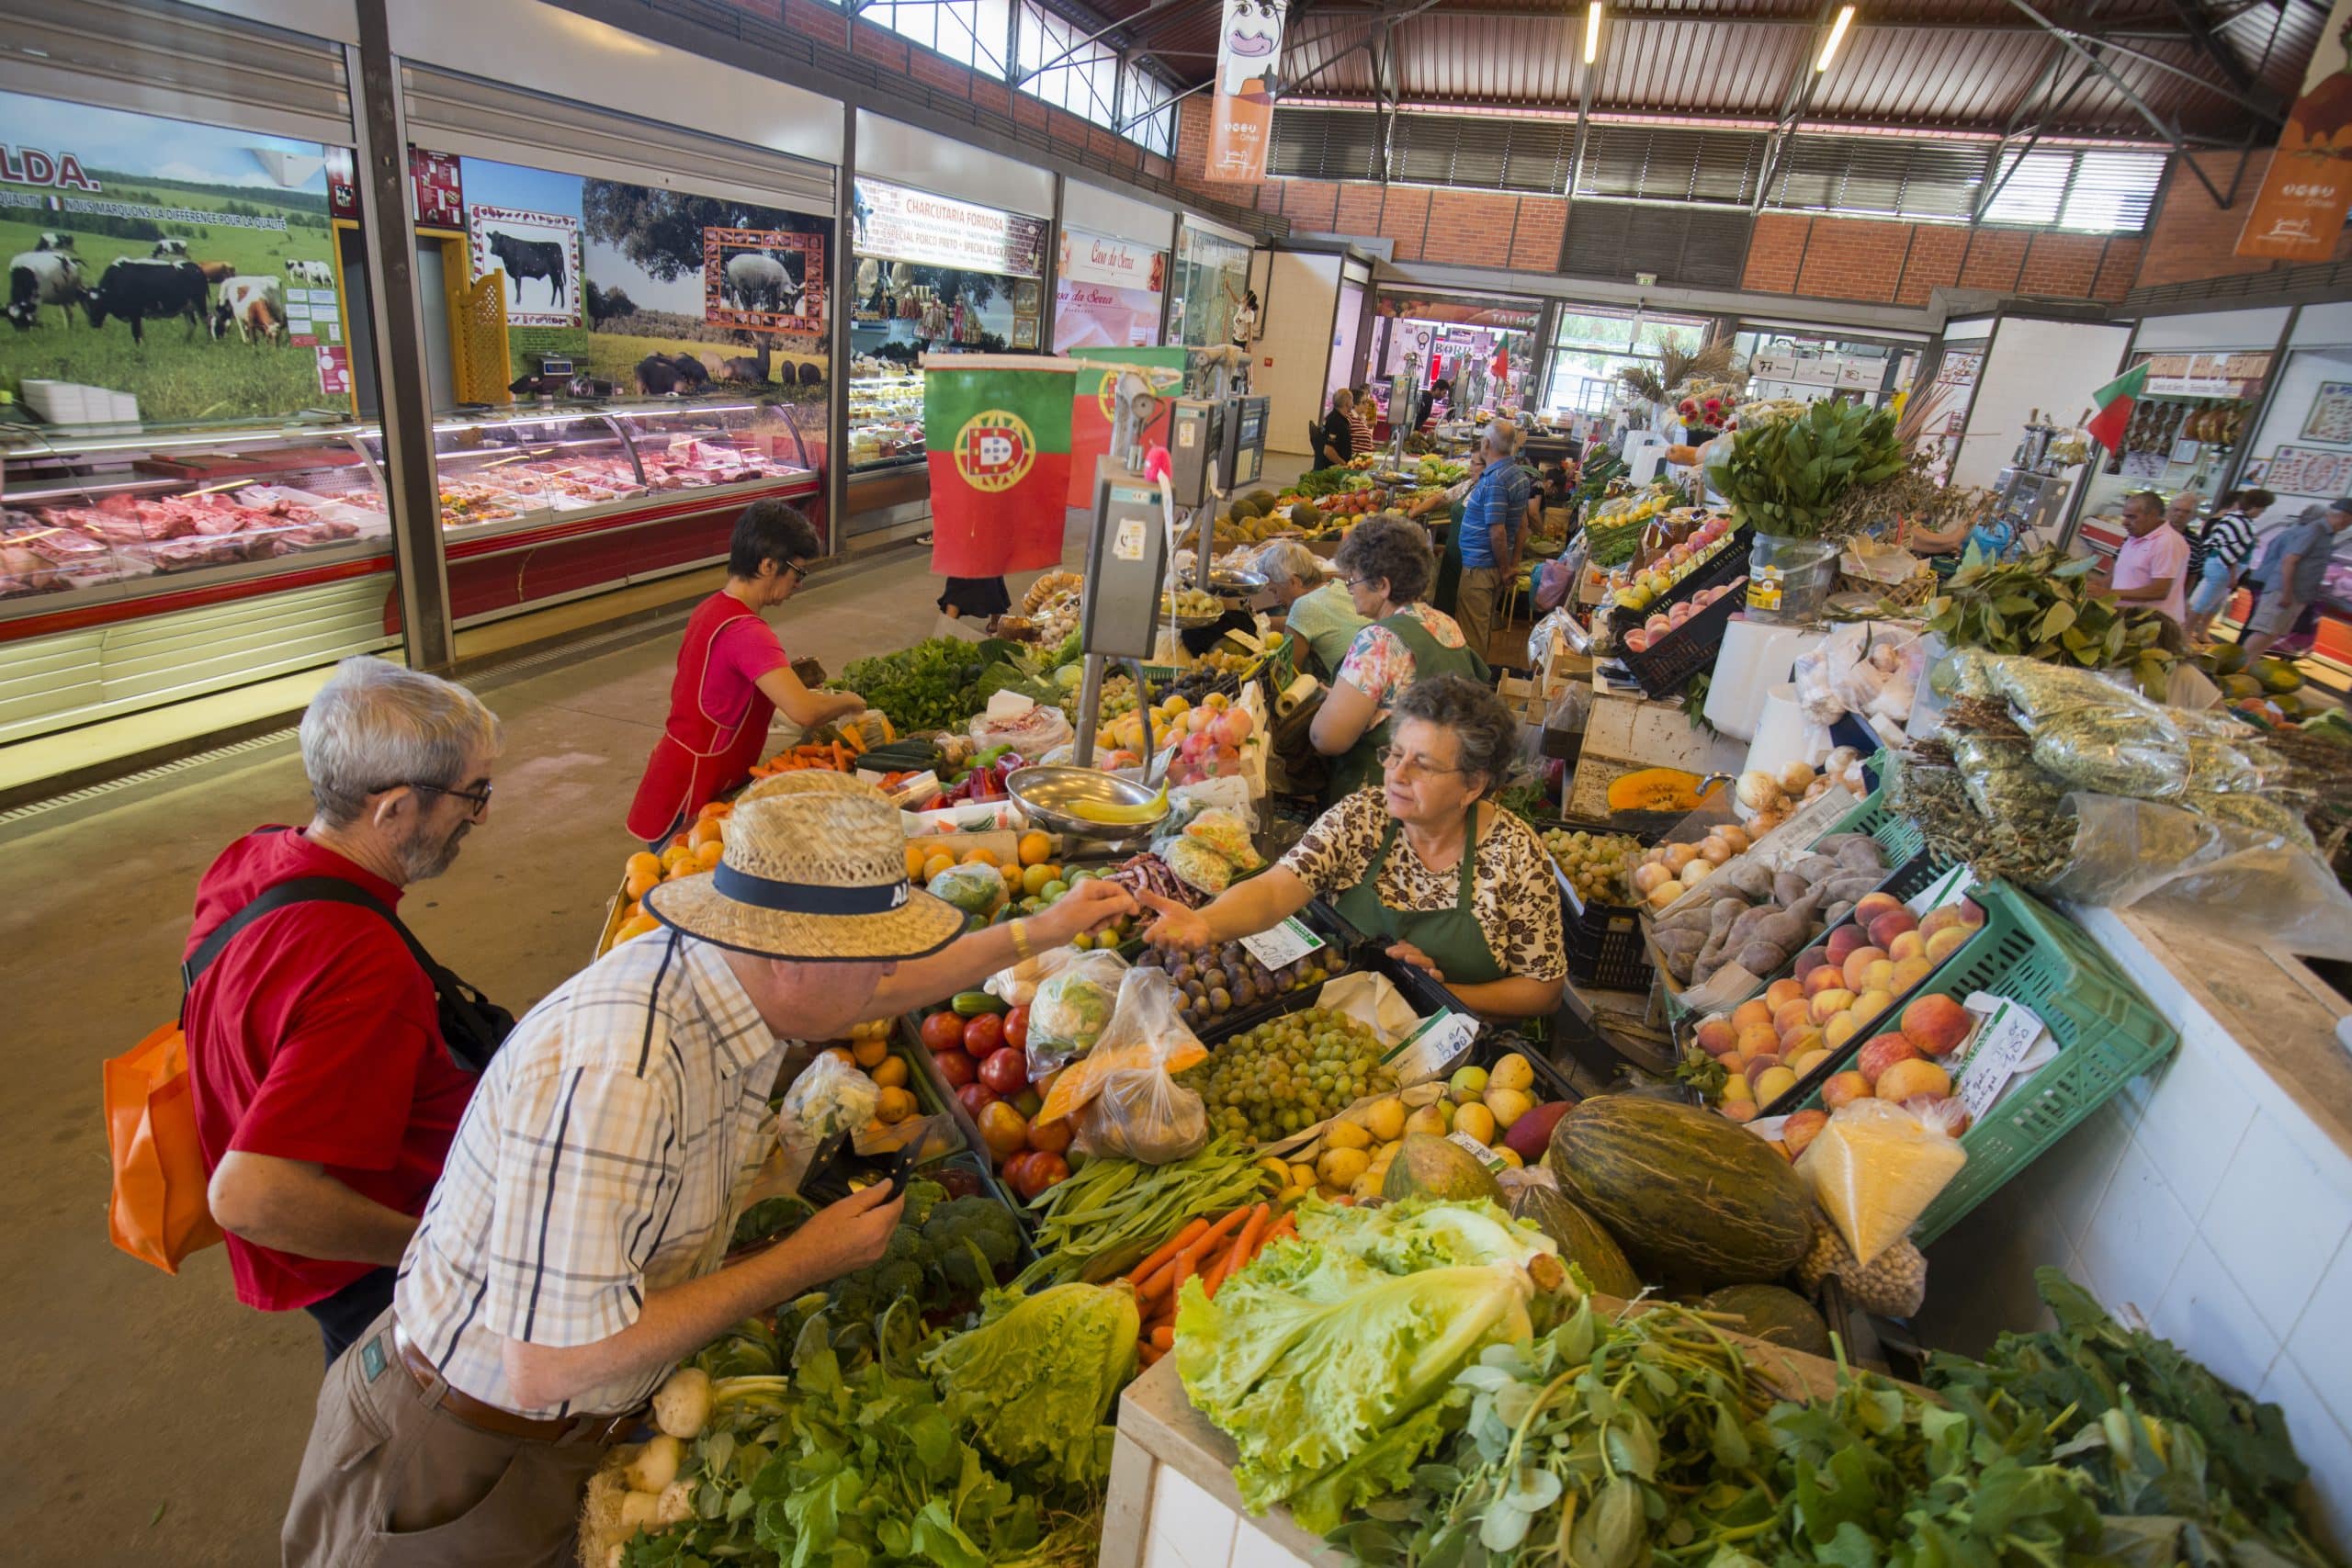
1121,1097
1874,1169
2114,750
1075,997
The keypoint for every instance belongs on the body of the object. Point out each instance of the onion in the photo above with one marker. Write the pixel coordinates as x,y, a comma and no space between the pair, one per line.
1648,874
1758,790
1796,777
1678,856
1713,851
1734,836
1664,892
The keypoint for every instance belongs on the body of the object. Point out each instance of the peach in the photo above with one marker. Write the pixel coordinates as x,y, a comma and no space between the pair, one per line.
1759,1065
1844,940
1870,1005
1841,1090
1857,964
1870,906
1972,912
1893,923
1810,959
1935,1025
1909,972
1789,1015
1827,1004
1783,990
1739,1110
1881,1052
1750,1013
1774,1083
1804,1062
1904,1080
1802,1128
1944,917
1840,1030
1826,978
1879,976
1947,941
1803,1037
1906,944
1715,1034
1757,1039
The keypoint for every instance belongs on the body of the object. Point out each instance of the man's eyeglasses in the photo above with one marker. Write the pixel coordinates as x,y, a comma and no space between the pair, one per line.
1397,760
479,798
800,572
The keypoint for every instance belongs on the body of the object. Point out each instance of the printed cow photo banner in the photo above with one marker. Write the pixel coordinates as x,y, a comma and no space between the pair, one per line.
539,254
763,280
1242,118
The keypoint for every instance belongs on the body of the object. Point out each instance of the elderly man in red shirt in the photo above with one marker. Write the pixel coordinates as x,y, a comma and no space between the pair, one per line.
326,1086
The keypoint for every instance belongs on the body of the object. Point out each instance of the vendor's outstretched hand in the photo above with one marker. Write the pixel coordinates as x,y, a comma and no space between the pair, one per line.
1087,907
1406,953
1176,925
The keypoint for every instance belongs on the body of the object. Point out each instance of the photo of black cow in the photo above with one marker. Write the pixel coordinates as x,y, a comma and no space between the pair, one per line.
537,254
523,258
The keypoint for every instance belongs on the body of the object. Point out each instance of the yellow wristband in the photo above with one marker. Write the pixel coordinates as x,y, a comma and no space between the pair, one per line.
1021,949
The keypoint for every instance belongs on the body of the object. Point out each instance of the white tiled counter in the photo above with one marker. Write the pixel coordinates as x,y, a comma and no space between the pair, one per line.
2213,1196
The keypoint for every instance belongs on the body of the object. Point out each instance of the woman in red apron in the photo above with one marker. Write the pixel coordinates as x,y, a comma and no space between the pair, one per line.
733,677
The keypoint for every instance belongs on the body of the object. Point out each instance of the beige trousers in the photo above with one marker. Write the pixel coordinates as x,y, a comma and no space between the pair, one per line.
1473,608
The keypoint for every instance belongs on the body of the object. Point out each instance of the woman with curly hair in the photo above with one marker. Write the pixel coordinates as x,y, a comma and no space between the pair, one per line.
1386,563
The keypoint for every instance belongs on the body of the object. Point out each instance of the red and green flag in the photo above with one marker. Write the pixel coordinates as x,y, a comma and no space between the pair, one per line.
1090,418
998,431
2116,400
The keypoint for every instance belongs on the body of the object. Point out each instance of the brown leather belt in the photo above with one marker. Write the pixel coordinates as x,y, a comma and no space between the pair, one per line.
490,1418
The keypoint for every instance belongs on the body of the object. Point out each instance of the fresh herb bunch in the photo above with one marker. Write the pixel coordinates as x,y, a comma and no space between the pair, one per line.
2157,1434
932,685
1786,475
2041,607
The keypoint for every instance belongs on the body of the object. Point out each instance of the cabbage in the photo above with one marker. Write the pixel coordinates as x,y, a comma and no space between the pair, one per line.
1070,1010
1326,1361
1035,1379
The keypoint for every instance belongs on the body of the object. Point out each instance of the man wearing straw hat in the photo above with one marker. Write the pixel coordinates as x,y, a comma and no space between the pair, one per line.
571,1256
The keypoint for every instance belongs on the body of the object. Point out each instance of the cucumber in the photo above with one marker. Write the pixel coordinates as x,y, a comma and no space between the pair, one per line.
971,1004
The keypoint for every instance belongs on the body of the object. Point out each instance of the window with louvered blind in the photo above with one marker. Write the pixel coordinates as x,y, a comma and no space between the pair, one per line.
1474,153
1687,245
1879,177
1325,144
1656,162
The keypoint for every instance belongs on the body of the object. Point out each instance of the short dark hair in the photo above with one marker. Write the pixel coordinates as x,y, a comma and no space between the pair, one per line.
1389,546
2151,497
770,531
1488,734
2343,503
2253,497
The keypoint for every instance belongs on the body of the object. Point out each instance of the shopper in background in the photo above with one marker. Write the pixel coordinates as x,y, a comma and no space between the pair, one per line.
2219,554
1360,412
1337,441
1387,565
1310,603
571,1256
733,677
2151,566
1495,518
325,1092
1425,862
2293,568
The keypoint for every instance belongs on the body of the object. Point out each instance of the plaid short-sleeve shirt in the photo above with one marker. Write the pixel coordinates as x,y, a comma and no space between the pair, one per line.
599,1159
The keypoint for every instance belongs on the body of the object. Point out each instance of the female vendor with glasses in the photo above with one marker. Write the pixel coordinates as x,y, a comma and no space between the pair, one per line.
1453,884
733,677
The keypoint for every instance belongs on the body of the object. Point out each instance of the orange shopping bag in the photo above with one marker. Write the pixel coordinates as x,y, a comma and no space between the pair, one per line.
158,1212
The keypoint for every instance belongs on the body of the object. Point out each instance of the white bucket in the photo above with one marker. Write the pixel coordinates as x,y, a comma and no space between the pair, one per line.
1781,733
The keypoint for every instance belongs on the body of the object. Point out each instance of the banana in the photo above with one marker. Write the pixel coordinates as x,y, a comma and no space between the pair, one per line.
1152,810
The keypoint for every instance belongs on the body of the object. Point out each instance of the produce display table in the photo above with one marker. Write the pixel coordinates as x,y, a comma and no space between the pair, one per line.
1173,1501
1626,730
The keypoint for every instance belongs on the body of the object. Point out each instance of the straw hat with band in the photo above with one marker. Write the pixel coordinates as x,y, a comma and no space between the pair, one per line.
814,873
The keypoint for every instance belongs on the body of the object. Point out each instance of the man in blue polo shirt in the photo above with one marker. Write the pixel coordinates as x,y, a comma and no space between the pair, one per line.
1494,523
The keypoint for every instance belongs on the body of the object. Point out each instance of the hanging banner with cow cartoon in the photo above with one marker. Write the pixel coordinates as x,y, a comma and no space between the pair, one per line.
539,254
765,281
2307,189
1241,116
162,271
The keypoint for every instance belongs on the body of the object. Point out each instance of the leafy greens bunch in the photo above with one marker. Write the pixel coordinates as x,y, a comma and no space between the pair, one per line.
1785,476
932,685
2042,605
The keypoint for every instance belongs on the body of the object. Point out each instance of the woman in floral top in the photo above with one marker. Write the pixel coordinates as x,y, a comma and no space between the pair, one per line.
1386,563
1453,884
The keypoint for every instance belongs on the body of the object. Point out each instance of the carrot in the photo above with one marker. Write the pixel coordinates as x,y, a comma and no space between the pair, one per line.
841,758
1168,1249
1149,1355
1163,1337
1286,1227
1245,1245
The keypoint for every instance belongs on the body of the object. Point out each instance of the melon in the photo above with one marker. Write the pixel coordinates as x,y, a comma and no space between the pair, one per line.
1304,516
1694,1200
1775,1315
1430,1166
1262,501
1584,1241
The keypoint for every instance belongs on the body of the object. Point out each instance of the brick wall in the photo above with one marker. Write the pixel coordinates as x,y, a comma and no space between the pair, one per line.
2192,238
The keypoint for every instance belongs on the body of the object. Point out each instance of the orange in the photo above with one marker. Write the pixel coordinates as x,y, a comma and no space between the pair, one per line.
936,864
708,856
980,857
914,863
707,832
676,856
890,1072
644,872
893,1105
635,925
868,1051
840,1054
1035,848
1033,880
642,860
715,810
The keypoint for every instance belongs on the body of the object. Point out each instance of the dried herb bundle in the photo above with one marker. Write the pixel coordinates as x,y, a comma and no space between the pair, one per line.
2042,605
1911,497
1676,367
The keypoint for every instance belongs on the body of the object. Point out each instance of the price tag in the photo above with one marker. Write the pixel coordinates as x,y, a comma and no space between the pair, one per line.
1431,1048
1944,889
2006,1031
1476,1150
1284,943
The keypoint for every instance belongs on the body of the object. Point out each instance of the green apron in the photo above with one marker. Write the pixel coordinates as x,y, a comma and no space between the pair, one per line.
1452,938
1359,765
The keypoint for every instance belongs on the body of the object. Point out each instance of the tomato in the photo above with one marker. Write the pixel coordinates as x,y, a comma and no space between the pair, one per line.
1003,1130
1049,1137
975,1098
1006,1071
984,1036
1041,1172
1013,1166
1016,1028
942,1030
1029,1103
957,1067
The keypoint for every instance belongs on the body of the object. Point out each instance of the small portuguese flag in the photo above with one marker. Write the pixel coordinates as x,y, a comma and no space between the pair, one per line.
2115,403
998,430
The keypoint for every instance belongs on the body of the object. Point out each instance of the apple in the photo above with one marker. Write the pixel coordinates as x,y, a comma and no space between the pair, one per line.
1881,1052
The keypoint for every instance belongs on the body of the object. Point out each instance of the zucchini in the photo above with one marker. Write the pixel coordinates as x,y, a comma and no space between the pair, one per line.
971,1004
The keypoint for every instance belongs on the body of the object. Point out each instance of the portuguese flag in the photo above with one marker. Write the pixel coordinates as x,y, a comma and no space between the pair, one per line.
2115,403
1089,416
998,431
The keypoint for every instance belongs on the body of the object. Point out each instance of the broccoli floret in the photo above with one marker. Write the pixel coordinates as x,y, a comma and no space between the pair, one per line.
922,1197
895,1279
962,1225
906,1246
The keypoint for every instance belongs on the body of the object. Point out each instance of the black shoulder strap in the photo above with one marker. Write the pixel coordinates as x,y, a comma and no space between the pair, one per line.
295,890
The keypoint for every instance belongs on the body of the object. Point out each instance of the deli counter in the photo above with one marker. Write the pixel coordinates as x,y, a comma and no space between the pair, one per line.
890,475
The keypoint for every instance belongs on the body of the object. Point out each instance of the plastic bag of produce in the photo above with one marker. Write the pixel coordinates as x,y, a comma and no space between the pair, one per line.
1199,866
1874,1169
1075,997
1032,731
978,889
1223,830
1121,1097
2114,750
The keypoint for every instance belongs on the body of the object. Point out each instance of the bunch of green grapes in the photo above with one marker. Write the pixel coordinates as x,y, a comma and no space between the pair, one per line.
1599,865
1118,696
1289,1073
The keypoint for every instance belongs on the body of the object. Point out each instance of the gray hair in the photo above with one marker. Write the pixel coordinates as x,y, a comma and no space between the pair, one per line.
1287,560
1390,546
1502,439
1476,715
375,725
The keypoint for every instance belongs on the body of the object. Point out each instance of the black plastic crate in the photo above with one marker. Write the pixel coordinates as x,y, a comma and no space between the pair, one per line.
1725,565
1606,950
1666,666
